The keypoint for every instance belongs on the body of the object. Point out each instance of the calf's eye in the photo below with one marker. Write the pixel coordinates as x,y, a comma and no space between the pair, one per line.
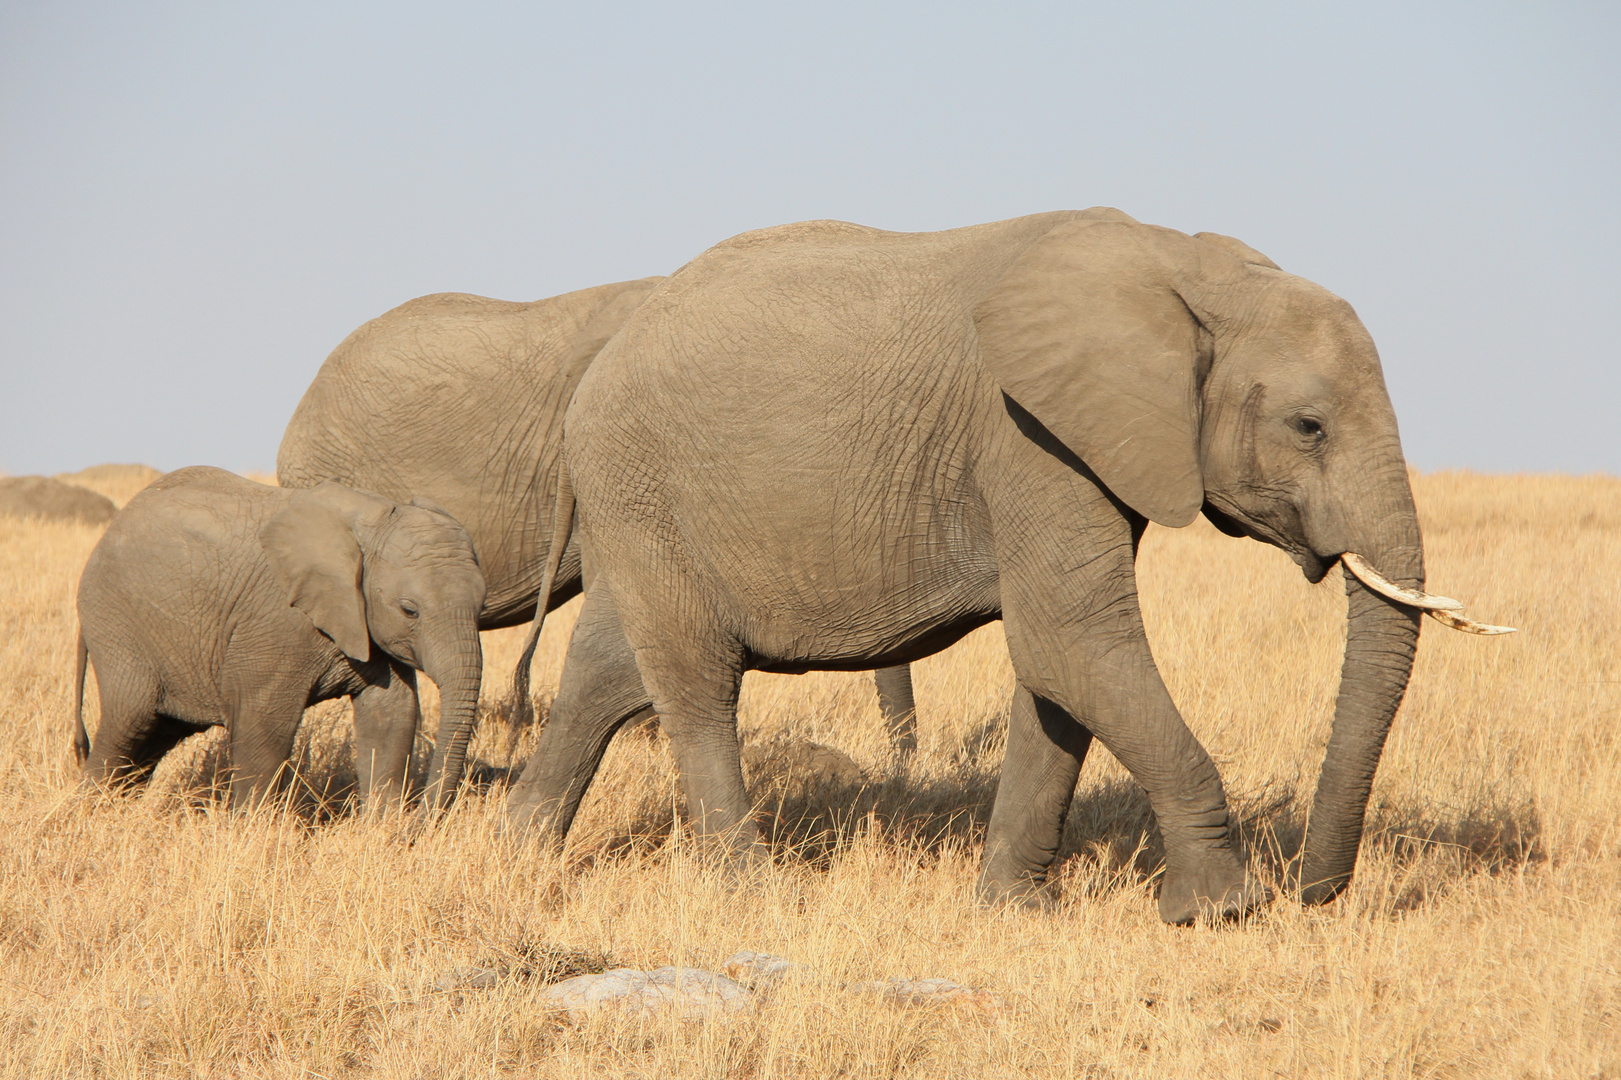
1309,426
409,608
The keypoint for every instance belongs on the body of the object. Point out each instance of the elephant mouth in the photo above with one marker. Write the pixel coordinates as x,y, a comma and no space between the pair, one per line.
1313,566
1228,521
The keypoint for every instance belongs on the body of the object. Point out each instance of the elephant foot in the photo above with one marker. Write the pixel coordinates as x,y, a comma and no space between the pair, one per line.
527,819
1211,894
1027,891
1317,885
743,867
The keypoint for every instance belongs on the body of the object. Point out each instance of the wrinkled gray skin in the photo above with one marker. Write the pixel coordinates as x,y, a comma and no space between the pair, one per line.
215,600
905,436
53,500
460,399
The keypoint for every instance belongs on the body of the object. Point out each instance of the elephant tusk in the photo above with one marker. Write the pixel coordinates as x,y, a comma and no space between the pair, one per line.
1442,609
1376,581
1469,626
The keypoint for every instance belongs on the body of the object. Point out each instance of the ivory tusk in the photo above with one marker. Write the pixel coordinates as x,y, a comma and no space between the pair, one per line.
1376,581
1469,626
1442,609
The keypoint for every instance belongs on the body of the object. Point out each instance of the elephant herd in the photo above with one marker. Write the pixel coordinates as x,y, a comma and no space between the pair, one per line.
817,446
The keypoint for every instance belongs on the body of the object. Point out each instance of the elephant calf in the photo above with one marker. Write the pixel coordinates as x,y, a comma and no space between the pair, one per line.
215,600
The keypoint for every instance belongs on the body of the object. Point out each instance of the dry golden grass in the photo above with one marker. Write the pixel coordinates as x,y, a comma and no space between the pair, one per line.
160,936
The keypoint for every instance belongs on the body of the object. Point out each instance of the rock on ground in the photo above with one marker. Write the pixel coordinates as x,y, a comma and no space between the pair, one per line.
679,992
42,496
692,994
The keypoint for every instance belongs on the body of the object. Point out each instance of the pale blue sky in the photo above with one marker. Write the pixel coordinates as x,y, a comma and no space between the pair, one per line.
199,201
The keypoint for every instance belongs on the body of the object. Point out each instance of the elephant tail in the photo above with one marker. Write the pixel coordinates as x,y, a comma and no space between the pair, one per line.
522,709
81,737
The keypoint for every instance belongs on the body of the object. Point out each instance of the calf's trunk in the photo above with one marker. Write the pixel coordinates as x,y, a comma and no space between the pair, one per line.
457,667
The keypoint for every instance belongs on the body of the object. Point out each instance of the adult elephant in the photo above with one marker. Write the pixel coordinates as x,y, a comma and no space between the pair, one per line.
460,399
904,436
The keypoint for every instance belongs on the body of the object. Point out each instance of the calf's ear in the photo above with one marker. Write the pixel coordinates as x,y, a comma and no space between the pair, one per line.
312,549
1088,333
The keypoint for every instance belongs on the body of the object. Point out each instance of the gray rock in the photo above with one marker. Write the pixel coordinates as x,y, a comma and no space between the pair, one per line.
684,993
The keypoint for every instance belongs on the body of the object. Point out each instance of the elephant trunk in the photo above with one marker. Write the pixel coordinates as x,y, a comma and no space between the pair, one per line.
456,663
1381,639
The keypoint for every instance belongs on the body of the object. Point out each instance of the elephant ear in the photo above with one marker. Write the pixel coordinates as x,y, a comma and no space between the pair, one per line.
312,548
1242,251
1087,333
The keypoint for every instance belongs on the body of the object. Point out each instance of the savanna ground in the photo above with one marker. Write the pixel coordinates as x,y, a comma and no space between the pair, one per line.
161,936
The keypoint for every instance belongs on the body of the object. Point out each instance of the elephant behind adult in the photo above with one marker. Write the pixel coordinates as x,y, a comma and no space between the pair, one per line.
460,399
909,435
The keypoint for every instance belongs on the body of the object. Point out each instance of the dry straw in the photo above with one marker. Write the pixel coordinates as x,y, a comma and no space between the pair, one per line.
160,936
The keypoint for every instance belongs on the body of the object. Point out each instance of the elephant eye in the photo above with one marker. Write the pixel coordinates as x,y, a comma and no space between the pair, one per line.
410,609
1309,426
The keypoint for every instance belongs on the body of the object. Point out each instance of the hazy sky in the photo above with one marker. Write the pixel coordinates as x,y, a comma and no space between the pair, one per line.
199,201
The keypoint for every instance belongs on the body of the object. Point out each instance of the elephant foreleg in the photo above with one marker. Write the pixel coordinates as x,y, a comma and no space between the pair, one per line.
1045,749
1115,690
387,714
601,690
262,723
896,703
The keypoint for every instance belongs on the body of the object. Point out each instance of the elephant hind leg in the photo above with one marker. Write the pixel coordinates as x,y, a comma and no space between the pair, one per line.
601,691
1047,747
895,701
693,670
120,754
132,737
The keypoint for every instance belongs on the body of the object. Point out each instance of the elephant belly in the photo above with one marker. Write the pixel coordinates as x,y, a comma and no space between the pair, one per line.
876,652
190,710
849,616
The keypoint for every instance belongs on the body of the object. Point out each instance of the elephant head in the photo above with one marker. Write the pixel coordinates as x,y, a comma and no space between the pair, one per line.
368,571
1189,373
